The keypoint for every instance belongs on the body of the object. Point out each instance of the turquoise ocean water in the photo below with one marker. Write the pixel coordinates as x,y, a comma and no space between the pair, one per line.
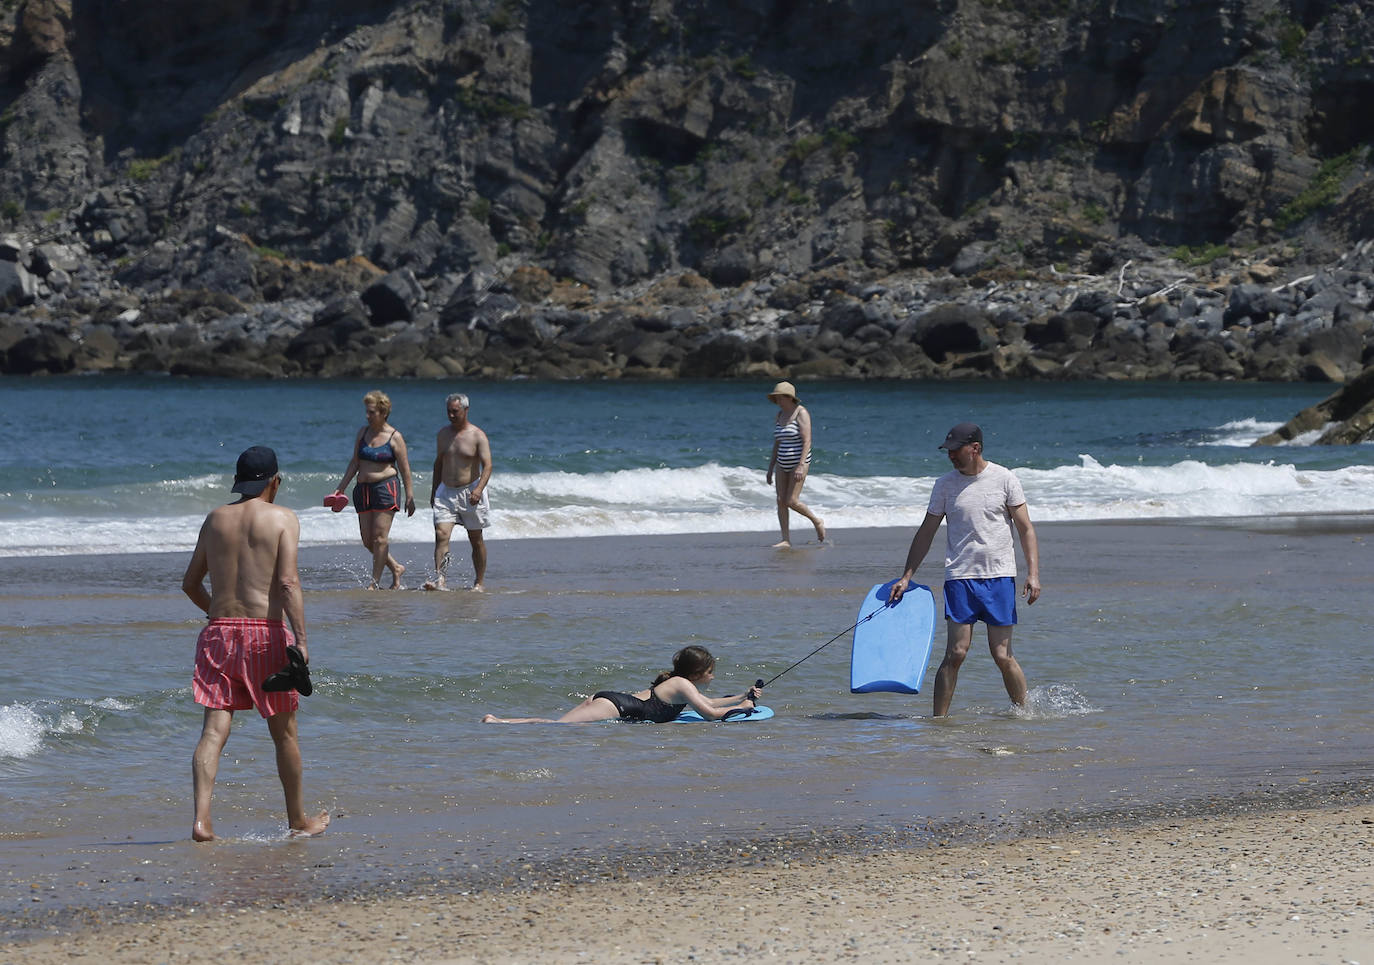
1203,634
132,465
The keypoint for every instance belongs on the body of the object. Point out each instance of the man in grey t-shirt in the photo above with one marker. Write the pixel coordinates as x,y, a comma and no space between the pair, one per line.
982,503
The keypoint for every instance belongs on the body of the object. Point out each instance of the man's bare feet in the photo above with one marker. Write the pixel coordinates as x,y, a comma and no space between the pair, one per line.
202,831
398,569
820,530
783,545
478,588
437,584
312,826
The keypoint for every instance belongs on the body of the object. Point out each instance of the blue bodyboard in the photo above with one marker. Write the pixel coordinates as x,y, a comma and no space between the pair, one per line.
892,648
690,716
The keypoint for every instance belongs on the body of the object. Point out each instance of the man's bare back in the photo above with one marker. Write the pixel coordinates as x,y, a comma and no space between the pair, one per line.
247,548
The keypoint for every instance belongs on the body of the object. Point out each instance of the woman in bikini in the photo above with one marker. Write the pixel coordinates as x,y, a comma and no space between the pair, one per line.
671,692
380,463
791,459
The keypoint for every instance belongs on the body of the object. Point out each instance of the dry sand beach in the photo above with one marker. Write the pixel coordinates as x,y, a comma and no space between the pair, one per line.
1277,887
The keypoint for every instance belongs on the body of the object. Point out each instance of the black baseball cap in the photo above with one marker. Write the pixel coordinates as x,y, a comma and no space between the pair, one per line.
256,468
962,435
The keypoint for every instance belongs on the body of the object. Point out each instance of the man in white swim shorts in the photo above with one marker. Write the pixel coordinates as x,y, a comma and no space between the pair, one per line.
458,491
453,506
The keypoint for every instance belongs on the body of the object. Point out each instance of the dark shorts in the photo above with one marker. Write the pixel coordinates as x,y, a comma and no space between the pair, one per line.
378,497
992,601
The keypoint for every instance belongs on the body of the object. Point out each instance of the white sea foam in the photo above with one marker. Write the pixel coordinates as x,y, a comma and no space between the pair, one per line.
716,498
21,731
1242,433
1193,489
1055,701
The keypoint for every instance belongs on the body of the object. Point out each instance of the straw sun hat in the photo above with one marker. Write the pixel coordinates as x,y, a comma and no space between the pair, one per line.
786,389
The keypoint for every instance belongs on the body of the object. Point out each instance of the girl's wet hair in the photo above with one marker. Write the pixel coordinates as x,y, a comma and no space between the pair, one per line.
688,662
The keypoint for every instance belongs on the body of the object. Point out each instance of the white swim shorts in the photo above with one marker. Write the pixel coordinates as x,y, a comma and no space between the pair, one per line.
455,506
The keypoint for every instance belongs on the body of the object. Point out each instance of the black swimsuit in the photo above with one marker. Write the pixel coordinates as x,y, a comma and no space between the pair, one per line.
634,708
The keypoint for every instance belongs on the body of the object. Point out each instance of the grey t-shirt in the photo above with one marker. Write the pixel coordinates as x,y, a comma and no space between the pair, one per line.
977,511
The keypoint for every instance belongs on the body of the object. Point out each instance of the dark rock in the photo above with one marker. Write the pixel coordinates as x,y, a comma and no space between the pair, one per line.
394,298
1207,359
41,352
211,363
763,348
1340,345
649,351
346,310
791,349
1352,408
605,330
1252,302
1073,329
789,296
12,250
11,331
669,321
951,328
970,259
17,285
523,330
843,314
1098,303
731,266
824,368
50,258
718,358
871,333
99,350
1317,367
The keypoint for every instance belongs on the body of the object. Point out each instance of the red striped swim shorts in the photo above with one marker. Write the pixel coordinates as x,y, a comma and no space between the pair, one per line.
233,657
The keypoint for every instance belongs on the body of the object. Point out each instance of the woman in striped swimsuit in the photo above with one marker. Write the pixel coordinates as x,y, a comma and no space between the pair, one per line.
791,459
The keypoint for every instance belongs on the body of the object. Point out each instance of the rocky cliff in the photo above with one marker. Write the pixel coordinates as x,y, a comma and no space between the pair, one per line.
1048,188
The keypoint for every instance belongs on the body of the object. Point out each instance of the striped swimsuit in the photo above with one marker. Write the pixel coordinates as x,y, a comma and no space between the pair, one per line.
234,655
789,439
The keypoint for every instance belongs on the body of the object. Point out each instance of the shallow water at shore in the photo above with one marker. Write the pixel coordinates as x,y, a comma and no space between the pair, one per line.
1169,662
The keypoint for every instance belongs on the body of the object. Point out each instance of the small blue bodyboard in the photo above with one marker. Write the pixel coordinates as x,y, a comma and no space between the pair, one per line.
892,648
690,716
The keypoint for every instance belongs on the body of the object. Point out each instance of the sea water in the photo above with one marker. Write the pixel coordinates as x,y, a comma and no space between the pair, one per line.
1203,631
121,465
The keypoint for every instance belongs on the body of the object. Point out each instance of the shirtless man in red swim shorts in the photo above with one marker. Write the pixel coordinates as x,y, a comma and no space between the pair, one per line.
248,549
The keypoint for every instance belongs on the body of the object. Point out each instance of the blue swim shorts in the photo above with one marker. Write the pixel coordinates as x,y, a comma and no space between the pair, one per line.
383,496
992,601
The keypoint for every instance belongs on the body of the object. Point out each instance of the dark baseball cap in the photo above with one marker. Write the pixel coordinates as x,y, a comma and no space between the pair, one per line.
962,435
256,468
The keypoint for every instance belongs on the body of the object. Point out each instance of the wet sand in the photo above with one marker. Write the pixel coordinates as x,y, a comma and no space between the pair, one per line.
1283,886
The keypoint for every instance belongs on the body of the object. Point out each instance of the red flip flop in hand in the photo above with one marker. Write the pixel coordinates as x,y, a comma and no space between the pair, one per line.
336,501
